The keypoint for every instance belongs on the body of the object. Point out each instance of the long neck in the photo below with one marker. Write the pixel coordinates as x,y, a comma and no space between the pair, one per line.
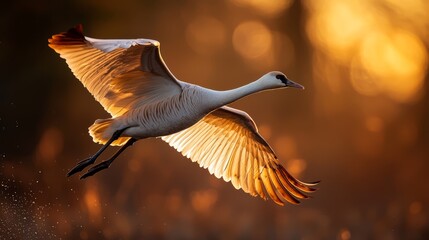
221,98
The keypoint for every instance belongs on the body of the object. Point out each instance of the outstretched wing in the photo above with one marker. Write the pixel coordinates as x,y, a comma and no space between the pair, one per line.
227,143
120,74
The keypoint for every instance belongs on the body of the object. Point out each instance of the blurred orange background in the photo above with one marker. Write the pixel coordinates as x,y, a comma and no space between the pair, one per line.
361,126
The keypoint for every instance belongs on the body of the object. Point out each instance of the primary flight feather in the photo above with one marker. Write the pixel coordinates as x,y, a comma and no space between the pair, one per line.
132,83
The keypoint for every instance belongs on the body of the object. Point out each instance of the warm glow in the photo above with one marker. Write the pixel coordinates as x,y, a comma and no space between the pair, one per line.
337,26
296,166
374,124
361,81
383,58
272,7
93,204
344,234
50,145
397,61
360,127
203,201
285,147
205,35
252,39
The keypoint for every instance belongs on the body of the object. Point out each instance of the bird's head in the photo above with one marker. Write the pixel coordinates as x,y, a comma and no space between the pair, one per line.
278,79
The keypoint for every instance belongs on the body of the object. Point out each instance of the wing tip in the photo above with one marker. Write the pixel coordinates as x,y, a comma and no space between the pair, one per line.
74,36
291,189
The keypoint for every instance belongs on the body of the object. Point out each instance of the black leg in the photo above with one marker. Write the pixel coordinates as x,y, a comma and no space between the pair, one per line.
106,164
84,163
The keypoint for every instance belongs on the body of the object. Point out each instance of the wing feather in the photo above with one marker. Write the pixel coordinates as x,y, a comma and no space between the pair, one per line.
211,166
227,142
121,74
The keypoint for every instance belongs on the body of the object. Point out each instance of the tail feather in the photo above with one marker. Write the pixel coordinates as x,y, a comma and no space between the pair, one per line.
102,130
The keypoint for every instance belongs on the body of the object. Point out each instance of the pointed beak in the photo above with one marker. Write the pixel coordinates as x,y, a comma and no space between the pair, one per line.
294,84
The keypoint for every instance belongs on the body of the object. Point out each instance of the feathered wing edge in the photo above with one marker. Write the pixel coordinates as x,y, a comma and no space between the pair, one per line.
121,74
74,36
227,143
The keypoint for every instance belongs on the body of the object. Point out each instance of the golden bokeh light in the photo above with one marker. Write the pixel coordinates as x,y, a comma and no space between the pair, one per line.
337,26
269,8
252,39
205,34
412,10
296,166
344,234
397,62
203,201
383,58
92,203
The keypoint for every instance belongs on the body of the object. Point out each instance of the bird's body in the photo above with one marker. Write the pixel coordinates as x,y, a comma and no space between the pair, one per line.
131,81
164,117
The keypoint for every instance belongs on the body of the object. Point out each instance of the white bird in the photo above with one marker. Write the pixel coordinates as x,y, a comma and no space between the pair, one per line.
131,81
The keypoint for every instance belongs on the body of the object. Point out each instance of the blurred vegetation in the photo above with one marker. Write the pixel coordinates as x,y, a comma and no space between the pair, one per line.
361,126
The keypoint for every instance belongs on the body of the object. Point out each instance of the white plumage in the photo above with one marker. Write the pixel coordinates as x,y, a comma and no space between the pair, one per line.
132,83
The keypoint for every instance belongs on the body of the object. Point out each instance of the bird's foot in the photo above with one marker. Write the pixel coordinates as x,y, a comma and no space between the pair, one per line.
82,165
96,168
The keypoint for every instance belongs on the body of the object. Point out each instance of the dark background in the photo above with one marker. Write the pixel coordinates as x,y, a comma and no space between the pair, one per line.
361,126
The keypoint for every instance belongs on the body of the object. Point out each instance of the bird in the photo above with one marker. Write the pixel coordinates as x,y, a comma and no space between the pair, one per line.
130,79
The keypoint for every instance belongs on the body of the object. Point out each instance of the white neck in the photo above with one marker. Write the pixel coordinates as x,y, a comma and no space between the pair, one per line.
221,98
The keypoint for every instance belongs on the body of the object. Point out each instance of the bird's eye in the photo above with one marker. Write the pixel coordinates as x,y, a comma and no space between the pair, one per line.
282,78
